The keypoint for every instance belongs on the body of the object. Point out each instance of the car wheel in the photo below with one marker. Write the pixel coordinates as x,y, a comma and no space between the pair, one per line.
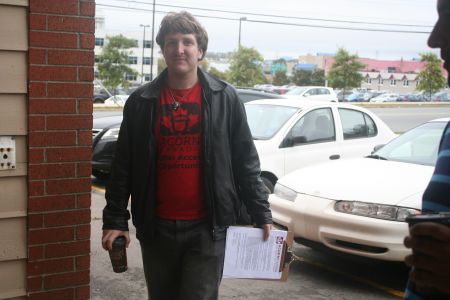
100,175
268,184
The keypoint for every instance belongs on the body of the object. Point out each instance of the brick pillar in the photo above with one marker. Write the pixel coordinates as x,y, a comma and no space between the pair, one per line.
60,72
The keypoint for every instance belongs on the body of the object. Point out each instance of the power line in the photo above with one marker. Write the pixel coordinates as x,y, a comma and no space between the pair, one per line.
280,16
279,23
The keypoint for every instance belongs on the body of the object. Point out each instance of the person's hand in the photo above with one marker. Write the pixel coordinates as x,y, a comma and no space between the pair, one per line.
430,243
266,231
110,235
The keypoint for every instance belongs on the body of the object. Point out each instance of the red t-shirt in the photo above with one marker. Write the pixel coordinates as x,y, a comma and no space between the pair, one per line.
179,179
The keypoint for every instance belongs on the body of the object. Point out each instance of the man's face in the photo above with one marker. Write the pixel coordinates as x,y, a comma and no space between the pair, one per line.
181,53
440,36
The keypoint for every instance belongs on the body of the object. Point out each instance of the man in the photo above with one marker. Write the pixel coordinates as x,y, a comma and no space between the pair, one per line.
430,242
186,156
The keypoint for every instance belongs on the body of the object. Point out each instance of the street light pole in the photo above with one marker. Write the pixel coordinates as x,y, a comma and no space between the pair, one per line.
153,41
240,21
143,47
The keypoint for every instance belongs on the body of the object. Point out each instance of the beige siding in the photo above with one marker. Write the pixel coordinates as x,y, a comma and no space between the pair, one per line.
12,279
13,115
13,122
13,28
13,71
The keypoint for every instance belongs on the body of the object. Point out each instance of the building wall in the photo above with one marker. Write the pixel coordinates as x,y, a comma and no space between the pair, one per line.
13,127
60,75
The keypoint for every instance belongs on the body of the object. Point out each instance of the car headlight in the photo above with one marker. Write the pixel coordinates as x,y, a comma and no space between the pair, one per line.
111,133
284,192
378,211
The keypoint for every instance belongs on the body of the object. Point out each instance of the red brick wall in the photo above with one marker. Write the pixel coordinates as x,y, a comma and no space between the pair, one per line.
61,59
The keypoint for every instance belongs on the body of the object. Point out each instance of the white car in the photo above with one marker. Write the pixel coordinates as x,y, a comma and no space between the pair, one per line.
318,93
386,97
291,134
359,206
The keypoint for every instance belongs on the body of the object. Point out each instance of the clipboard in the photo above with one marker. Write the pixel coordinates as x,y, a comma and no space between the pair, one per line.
246,255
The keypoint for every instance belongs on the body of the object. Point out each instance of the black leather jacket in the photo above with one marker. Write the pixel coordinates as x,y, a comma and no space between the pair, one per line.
230,163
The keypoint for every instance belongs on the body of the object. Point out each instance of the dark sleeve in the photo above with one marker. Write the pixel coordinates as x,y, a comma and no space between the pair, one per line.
246,167
115,213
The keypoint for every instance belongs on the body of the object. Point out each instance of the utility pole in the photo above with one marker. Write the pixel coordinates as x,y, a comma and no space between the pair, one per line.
240,21
143,47
153,41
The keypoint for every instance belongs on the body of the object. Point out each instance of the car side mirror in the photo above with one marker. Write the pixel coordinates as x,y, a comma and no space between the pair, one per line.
377,147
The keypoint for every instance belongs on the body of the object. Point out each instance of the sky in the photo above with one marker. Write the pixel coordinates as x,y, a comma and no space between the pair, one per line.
292,38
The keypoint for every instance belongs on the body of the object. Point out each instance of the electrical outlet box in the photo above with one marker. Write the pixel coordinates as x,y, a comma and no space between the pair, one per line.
7,153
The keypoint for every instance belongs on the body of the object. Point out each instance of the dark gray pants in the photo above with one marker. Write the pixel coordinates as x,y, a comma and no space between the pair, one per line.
182,261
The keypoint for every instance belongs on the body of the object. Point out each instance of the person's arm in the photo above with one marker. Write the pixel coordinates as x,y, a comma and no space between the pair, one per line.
430,243
246,165
115,213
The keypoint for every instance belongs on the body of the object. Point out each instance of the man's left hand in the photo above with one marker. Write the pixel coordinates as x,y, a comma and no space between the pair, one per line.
266,231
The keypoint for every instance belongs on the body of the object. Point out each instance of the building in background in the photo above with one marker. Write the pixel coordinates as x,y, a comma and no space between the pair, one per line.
139,59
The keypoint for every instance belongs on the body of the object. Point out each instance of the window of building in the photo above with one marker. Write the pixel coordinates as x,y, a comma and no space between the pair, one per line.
393,82
147,44
405,82
147,77
369,80
417,82
131,77
147,60
99,41
391,69
132,60
136,43
380,81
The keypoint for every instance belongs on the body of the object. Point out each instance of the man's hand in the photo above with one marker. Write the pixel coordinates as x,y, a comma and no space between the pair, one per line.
430,243
110,235
266,228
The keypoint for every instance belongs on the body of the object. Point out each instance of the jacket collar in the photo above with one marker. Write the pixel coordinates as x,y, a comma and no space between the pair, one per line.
151,90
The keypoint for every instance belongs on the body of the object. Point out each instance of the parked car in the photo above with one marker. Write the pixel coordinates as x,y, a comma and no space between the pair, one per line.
386,97
441,97
320,93
342,96
100,97
358,206
355,97
106,130
247,95
410,98
291,134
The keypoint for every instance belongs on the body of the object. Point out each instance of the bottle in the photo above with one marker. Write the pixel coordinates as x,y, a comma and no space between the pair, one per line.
118,255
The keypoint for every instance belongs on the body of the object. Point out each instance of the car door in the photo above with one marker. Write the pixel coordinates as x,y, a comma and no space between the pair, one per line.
359,133
312,139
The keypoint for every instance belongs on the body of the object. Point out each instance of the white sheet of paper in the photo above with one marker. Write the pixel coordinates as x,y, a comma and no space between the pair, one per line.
248,256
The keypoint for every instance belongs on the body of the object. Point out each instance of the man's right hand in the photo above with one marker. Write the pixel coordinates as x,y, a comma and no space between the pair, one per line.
109,235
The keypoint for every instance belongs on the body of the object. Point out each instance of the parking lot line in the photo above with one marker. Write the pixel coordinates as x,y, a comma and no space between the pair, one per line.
371,283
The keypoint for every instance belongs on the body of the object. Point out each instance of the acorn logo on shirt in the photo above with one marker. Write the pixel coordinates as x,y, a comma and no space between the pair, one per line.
184,120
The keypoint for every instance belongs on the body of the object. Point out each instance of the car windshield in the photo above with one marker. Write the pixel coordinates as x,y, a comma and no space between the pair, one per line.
265,120
296,91
418,146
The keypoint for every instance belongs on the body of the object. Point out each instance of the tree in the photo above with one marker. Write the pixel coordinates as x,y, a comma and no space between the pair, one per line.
305,77
246,67
280,78
344,71
161,65
431,78
113,62
215,72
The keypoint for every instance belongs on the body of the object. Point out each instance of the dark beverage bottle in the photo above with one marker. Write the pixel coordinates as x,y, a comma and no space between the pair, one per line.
118,255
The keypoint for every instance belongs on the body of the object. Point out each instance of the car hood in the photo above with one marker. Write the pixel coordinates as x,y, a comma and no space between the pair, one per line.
106,122
363,179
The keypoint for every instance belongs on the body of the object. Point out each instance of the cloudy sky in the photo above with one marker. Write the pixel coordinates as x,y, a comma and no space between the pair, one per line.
384,29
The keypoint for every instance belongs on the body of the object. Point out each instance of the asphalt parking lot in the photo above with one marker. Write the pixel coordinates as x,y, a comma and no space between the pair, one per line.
319,276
